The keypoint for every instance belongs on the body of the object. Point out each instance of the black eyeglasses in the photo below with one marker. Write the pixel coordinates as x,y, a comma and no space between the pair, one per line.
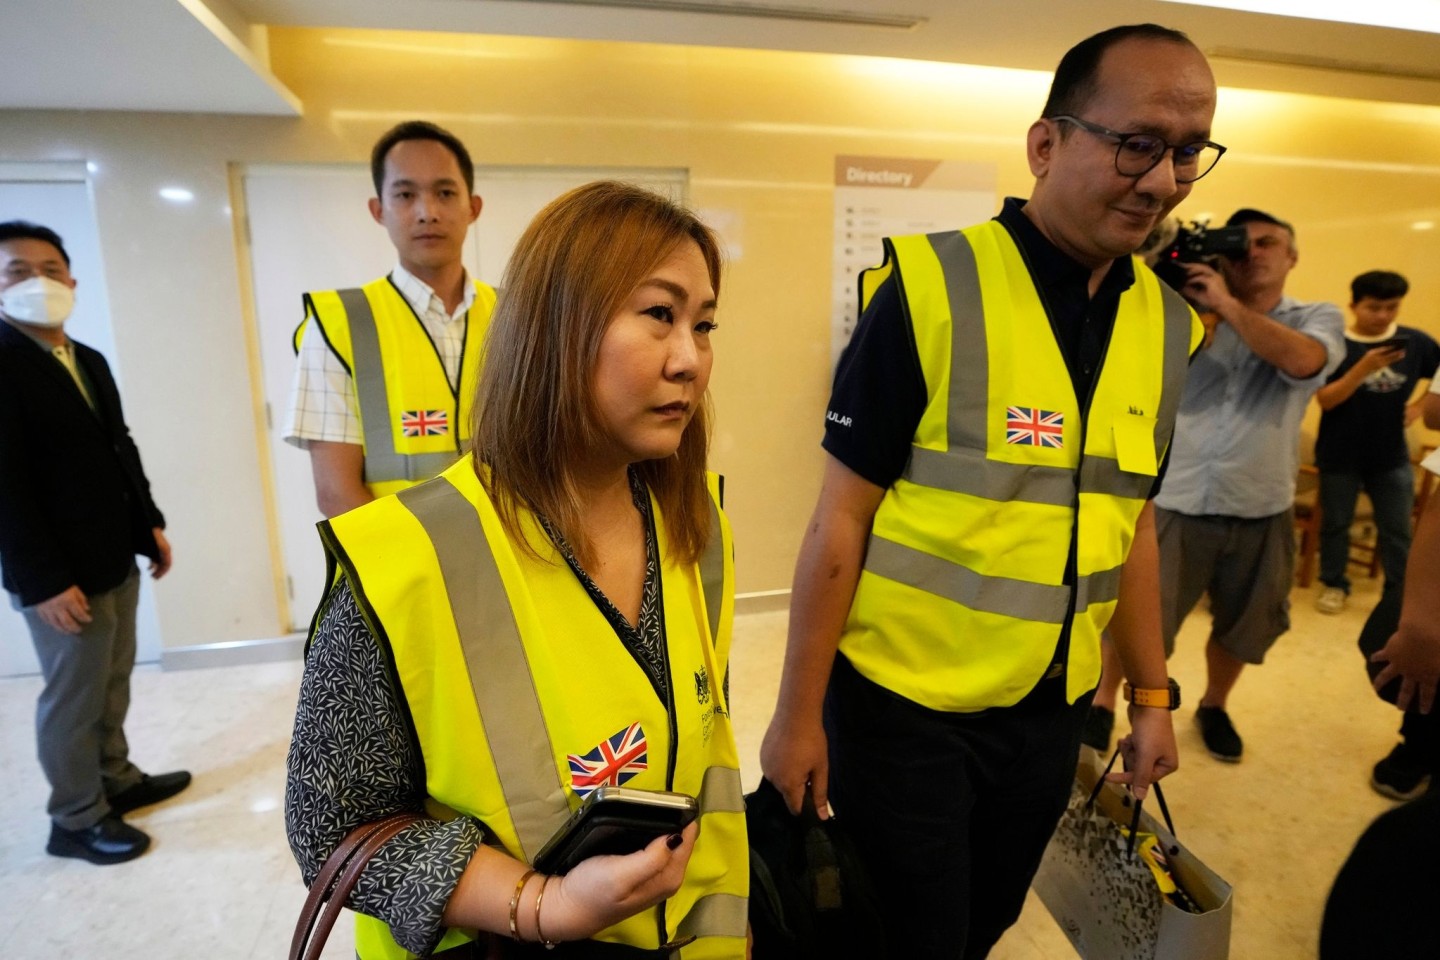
1136,154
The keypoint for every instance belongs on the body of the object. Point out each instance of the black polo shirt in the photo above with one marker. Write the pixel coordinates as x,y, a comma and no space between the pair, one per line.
879,392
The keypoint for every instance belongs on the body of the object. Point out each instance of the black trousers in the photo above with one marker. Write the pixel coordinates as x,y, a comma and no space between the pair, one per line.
949,812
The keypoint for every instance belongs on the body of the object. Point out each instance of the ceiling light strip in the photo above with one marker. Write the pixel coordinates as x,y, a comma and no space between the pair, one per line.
1309,62
849,18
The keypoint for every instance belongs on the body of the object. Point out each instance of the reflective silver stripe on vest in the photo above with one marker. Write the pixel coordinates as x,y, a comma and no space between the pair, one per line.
720,791
495,657
1102,586
1003,596
1177,361
718,915
966,472
712,572
1103,475
969,395
963,470
382,461
968,403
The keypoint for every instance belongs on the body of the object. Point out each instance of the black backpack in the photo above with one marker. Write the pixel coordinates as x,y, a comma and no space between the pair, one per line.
809,896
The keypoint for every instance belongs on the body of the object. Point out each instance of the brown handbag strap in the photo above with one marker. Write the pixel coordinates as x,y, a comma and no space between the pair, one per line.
337,878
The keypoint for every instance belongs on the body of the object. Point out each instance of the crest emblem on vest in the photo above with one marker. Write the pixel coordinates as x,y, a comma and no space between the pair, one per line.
424,423
613,761
1033,427
702,686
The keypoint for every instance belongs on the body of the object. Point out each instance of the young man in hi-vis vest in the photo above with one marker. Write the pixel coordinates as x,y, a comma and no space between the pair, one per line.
998,426
386,372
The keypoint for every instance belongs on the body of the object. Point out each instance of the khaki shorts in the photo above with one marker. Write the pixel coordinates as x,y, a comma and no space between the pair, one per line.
1246,566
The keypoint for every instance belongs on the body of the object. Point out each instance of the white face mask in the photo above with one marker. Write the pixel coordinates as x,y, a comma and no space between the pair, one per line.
39,301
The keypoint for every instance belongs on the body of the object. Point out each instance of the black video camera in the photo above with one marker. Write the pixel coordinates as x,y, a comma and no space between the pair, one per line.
1195,243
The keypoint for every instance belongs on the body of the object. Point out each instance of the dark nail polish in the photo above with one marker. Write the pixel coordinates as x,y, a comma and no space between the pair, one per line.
674,841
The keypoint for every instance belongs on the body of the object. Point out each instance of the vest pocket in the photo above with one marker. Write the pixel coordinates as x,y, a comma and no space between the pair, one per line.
1135,444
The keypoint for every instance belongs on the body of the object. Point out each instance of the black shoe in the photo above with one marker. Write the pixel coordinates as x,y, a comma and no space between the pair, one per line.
150,790
1219,734
112,840
1399,776
1099,724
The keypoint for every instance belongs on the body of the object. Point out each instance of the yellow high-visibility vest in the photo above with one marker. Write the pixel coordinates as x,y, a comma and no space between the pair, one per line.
510,671
962,598
413,422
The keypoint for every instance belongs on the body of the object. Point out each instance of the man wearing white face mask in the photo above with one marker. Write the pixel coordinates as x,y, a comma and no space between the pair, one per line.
75,509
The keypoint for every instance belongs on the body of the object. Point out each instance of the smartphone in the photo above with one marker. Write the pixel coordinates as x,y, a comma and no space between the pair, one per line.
1398,342
615,820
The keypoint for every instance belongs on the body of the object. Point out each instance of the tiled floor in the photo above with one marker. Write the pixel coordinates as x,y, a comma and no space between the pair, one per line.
220,883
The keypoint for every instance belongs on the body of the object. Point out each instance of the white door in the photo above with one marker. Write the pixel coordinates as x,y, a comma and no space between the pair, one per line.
56,195
309,229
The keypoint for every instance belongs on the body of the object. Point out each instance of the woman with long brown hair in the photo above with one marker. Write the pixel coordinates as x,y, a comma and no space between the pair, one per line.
547,617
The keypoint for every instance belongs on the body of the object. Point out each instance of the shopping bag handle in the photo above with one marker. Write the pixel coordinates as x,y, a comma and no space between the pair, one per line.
1134,814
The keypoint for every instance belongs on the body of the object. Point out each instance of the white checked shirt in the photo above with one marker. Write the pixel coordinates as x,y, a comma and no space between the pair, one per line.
322,396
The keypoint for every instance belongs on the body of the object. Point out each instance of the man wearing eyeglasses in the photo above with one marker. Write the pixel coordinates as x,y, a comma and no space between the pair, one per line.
1224,522
997,427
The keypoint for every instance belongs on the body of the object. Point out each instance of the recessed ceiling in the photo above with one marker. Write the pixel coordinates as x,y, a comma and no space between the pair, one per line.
170,55
209,55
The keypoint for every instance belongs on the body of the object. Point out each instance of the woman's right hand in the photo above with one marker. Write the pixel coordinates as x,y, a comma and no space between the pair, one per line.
602,891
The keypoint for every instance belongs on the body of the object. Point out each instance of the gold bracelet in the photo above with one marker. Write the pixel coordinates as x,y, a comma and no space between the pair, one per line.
515,902
549,944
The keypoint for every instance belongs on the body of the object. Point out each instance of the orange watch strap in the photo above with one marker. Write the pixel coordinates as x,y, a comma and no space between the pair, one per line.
1164,697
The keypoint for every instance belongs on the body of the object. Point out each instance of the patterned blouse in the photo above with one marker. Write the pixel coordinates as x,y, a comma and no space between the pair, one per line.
354,758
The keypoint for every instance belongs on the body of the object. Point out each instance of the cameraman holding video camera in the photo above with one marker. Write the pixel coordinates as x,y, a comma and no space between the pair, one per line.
1224,512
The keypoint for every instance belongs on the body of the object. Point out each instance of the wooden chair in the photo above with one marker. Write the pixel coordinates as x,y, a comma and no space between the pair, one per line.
1307,522
1364,550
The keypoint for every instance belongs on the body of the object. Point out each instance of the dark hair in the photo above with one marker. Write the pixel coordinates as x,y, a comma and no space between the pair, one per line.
1078,74
419,130
571,270
1378,285
25,230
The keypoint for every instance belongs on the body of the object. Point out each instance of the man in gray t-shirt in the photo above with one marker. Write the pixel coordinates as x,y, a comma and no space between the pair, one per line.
1223,514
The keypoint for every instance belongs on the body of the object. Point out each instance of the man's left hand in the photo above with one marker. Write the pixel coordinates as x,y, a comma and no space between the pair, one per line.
158,568
1206,287
1149,750
1413,656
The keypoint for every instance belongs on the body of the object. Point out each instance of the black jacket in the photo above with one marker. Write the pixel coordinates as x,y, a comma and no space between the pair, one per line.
75,506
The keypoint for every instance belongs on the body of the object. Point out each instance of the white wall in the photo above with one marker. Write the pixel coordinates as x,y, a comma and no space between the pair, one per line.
194,399
58,196
179,347
337,244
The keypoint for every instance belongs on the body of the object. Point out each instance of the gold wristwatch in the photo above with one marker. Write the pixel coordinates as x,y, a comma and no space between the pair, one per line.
1167,698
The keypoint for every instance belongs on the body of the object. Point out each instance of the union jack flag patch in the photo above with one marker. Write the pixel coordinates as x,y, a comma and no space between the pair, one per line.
611,763
1033,427
424,423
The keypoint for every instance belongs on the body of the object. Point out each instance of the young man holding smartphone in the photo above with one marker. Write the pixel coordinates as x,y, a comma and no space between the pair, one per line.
1362,432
